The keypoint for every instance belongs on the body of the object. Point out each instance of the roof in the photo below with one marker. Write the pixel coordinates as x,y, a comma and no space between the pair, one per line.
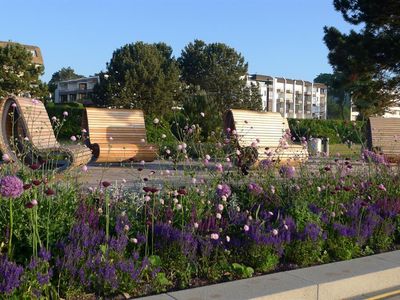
80,79
37,57
258,77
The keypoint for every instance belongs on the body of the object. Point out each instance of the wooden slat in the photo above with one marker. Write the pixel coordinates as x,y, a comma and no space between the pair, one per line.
117,135
266,127
384,135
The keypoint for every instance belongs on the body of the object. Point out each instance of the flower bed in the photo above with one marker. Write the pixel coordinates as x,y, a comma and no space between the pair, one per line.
61,240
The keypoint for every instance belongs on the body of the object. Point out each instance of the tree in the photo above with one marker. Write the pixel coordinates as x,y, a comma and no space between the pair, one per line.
370,58
221,72
18,74
63,74
338,97
140,75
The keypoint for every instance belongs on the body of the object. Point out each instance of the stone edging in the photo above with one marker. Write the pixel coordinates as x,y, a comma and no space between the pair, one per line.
338,280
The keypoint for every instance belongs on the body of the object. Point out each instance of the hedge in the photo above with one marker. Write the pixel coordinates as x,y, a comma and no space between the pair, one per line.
72,124
338,131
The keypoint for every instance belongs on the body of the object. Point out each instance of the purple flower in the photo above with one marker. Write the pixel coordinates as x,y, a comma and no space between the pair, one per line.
255,189
223,190
287,171
266,164
10,274
370,156
44,254
11,187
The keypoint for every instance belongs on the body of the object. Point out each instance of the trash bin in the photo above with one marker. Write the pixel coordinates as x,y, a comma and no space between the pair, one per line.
315,146
325,146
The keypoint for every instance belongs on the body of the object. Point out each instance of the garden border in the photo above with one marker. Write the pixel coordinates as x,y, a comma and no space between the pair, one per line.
339,280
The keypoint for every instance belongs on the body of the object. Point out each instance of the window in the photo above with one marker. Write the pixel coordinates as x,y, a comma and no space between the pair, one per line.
33,52
83,86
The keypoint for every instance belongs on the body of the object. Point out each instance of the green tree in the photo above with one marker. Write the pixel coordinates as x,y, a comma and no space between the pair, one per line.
63,74
140,75
369,58
221,72
338,97
18,74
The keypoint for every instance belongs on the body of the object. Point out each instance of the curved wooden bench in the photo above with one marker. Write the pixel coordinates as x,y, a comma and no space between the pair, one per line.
266,130
117,135
26,118
383,136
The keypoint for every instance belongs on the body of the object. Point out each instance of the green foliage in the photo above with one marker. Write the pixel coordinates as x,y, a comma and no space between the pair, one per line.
262,258
242,271
18,74
140,75
63,74
337,131
343,248
72,123
368,58
305,253
219,71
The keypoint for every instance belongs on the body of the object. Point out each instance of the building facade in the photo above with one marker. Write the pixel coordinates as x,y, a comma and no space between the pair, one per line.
75,90
391,111
292,98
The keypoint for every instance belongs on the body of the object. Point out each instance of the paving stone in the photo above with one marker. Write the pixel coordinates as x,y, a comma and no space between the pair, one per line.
156,297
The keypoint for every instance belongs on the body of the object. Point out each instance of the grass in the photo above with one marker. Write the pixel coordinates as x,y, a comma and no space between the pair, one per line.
344,150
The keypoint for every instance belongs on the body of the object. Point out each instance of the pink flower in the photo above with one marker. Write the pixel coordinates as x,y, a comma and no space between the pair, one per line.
275,232
6,158
196,225
219,168
214,236
246,227
73,138
382,187
65,114
14,105
84,168
220,207
218,216
54,119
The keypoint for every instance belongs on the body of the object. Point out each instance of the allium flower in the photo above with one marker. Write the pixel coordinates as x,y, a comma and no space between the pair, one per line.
266,164
246,227
202,114
208,157
147,198
272,189
382,187
84,168
218,216
163,136
228,239
34,166
196,225
14,105
11,187
54,119
223,190
5,158
31,203
65,114
220,207
287,171
214,236
73,138
49,192
219,168
134,240
275,232
156,121
179,206
106,184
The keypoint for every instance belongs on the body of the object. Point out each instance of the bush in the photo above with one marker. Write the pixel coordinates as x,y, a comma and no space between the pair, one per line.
338,131
72,123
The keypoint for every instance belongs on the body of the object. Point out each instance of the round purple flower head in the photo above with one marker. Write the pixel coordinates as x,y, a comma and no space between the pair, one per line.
11,187
223,190
255,189
287,171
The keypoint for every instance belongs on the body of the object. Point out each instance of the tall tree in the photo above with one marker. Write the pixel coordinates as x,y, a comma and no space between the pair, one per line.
18,74
338,97
63,74
220,71
140,75
368,58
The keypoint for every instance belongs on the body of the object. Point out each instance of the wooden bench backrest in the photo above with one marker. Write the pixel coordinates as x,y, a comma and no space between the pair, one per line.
384,134
36,121
115,126
268,127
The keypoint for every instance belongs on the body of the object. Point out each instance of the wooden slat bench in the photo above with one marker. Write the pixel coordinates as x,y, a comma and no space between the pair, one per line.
383,136
26,118
266,130
117,135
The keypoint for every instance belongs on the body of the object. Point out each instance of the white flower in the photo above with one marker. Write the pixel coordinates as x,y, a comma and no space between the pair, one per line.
54,119
286,227
220,207
272,189
208,157
134,240
234,132
270,213
218,216
147,198
73,138
223,198
163,136
6,158
84,168
179,206
142,140
275,232
228,159
123,213
196,225
246,227
142,162
168,151
100,210
179,147
175,200
318,189
126,228
228,239
194,180
238,152
162,201
84,130
156,121
26,139
65,114
184,145
202,114
214,236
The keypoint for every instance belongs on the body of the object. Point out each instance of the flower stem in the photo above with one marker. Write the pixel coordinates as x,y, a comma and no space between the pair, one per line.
11,229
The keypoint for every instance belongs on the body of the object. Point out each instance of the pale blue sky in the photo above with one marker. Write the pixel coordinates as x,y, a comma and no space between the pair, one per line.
276,37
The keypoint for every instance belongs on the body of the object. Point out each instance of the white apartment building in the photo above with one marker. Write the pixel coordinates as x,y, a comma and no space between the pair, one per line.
293,98
75,90
391,111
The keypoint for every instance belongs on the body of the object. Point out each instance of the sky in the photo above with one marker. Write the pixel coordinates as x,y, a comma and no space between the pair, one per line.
276,37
